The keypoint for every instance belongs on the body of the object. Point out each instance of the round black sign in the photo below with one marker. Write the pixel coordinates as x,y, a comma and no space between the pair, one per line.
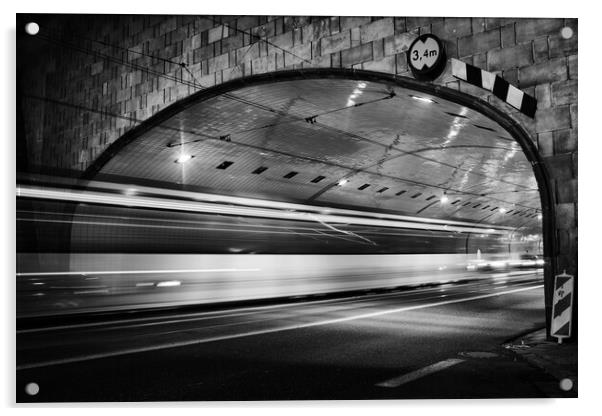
426,57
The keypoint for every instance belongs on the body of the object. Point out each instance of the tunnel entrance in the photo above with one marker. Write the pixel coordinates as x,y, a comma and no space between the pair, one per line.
313,136
350,139
378,165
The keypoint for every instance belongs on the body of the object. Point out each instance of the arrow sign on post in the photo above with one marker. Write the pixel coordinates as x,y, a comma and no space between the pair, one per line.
562,307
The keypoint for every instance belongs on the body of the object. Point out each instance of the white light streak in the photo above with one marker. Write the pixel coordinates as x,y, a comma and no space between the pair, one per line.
423,99
350,233
458,124
257,208
169,283
109,272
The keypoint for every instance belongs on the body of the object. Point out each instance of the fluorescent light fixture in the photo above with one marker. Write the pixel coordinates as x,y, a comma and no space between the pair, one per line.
183,158
423,99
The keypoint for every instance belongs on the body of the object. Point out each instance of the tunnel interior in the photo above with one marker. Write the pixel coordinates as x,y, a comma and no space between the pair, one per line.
339,166
331,140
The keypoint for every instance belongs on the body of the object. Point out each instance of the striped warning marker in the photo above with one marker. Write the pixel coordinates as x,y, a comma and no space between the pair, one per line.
562,306
498,86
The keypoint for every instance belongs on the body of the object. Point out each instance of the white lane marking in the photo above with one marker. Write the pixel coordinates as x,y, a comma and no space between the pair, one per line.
260,332
136,272
422,372
226,313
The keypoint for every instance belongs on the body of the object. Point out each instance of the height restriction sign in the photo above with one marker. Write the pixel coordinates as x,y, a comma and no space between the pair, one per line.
562,306
426,57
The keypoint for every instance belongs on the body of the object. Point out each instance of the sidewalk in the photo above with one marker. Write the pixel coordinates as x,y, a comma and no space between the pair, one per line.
558,360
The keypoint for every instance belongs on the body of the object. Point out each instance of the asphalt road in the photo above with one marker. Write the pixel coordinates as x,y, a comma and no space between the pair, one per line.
436,342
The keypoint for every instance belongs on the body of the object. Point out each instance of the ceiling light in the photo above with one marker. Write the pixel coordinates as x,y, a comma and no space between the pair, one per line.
342,182
539,216
444,198
183,158
423,99
502,210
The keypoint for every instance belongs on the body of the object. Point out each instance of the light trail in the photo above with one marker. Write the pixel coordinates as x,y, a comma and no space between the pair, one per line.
109,272
337,216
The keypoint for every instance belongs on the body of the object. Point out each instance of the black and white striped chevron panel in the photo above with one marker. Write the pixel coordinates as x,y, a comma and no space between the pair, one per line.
562,306
498,86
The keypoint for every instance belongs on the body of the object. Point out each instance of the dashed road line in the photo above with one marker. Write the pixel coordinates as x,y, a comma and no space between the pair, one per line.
422,372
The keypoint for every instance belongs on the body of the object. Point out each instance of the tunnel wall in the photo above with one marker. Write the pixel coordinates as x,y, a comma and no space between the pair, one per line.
108,93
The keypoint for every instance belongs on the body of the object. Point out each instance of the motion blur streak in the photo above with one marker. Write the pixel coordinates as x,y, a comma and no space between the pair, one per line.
349,217
231,200
249,277
108,250
135,272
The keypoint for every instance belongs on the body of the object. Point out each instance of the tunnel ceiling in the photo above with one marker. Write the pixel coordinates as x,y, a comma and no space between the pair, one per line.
294,140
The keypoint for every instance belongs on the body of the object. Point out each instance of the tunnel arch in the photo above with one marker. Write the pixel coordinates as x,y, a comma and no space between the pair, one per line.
518,133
